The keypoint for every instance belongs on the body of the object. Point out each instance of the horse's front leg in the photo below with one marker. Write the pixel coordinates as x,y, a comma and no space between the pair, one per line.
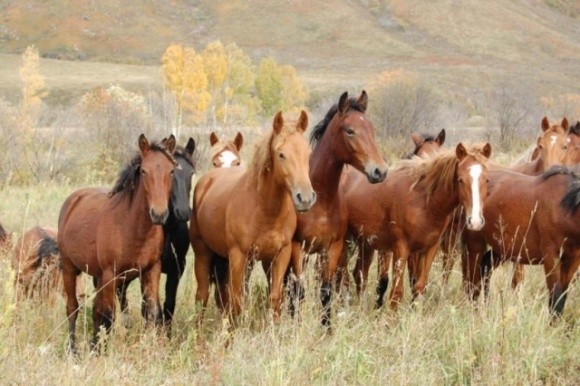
552,270
278,270
473,248
327,278
104,304
423,267
401,254
295,284
236,277
151,308
70,273
362,265
384,260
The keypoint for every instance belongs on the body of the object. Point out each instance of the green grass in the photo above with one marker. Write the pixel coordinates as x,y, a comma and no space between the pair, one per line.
443,339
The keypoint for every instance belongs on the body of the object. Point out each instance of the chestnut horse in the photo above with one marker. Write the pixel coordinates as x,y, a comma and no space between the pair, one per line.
531,220
225,154
117,236
344,136
37,262
572,154
244,214
426,144
175,231
408,213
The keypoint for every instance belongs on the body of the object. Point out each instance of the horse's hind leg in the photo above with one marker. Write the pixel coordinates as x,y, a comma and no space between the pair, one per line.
70,273
361,268
122,295
472,254
384,260
423,265
569,263
401,254
294,284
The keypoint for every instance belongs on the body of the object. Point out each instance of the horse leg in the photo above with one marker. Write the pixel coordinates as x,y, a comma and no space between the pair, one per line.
384,262
202,268
361,268
569,263
150,306
472,254
424,265
552,272
414,267
518,276
104,306
342,276
237,270
327,277
122,295
174,267
70,273
295,288
277,271
401,254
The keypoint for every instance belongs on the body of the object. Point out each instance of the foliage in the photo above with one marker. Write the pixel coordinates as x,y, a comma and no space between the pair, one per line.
33,89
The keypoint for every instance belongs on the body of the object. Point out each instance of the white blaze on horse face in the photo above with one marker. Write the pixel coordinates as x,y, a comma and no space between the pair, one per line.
553,140
476,215
227,158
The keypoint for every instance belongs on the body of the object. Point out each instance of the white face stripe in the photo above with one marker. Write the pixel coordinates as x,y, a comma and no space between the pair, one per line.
476,215
553,140
227,158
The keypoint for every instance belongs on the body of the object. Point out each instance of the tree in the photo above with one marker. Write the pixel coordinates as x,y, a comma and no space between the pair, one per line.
33,90
294,93
269,86
215,63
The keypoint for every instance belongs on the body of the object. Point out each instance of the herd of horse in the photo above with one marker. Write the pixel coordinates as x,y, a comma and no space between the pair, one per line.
295,199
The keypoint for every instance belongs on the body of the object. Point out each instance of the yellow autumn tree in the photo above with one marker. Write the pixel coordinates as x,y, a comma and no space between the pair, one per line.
184,74
33,89
215,62
294,92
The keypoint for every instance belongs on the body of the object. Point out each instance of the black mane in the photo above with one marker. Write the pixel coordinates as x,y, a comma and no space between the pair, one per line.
321,127
571,200
575,129
128,178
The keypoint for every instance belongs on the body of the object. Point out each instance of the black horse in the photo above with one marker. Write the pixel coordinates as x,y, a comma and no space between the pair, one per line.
175,230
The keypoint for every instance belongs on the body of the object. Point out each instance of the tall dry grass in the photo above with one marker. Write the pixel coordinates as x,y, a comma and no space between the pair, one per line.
442,339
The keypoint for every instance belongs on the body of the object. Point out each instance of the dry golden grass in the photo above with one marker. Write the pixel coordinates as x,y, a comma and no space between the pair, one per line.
443,339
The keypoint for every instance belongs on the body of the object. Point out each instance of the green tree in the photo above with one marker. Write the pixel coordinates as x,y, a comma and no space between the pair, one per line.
269,86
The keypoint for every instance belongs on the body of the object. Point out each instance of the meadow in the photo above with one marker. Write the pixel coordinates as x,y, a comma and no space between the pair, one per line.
441,339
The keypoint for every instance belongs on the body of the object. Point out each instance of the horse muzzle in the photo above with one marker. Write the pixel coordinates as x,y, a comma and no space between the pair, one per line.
303,201
158,218
182,215
375,173
475,223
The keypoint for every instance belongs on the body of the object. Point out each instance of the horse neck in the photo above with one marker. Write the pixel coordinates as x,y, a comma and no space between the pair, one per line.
273,197
325,170
138,220
443,200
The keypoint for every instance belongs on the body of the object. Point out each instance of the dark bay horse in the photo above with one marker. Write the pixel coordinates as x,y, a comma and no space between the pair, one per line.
531,220
572,153
36,262
226,153
242,214
117,236
344,136
408,213
175,231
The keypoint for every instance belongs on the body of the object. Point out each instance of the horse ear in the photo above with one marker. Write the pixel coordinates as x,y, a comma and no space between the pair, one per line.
170,144
565,125
575,129
278,122
239,141
363,101
190,147
213,139
460,151
440,137
545,124
486,151
143,144
343,103
417,139
302,122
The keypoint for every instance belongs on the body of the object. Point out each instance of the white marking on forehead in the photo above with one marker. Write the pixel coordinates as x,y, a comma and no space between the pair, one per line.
361,118
568,140
475,171
553,140
227,158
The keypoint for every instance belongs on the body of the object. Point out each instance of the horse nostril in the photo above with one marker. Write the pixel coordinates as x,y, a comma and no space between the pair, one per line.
299,197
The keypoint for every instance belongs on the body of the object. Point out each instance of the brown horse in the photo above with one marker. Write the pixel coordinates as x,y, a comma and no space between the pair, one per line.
426,144
572,154
244,214
225,154
531,220
408,213
117,236
344,136
36,262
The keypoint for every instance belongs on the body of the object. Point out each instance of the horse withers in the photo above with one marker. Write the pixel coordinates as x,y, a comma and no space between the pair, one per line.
117,236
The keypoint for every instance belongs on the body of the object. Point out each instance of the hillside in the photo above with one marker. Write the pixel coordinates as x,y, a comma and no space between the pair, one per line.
334,44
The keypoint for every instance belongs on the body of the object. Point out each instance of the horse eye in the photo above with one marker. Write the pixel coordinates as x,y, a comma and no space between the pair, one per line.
143,172
460,180
564,147
349,131
282,156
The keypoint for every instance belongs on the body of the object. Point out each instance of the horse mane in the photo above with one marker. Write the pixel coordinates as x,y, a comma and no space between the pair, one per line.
437,171
262,157
575,129
128,179
319,130
571,200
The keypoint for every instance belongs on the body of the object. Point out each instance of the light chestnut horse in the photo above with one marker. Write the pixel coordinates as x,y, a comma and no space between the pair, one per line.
118,236
344,137
531,220
408,213
36,262
225,154
243,214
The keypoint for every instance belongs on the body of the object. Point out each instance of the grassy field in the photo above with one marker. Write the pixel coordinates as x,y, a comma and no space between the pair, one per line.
443,339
